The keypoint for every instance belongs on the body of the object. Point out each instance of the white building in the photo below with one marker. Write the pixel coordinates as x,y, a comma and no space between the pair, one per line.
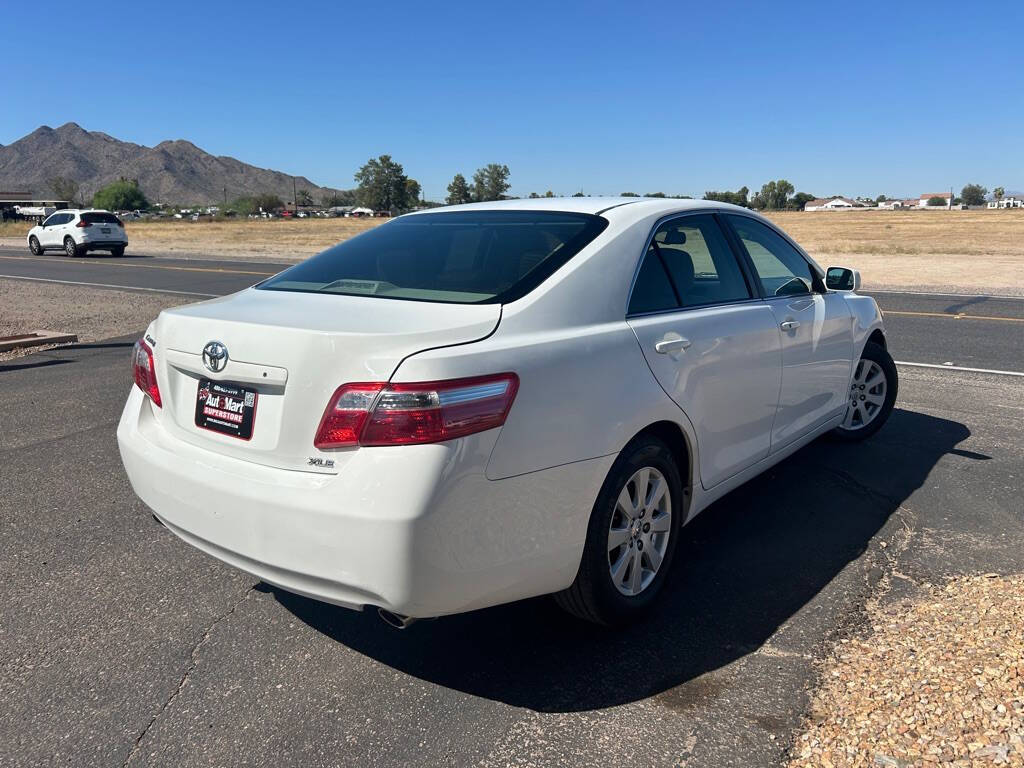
1007,202
832,204
946,197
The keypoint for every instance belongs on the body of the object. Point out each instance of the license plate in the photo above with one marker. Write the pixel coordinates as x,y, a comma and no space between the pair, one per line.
226,408
105,230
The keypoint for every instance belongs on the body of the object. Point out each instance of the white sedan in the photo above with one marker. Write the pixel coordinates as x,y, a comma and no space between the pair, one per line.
479,404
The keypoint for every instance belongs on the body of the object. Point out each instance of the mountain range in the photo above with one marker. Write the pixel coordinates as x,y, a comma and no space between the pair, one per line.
171,172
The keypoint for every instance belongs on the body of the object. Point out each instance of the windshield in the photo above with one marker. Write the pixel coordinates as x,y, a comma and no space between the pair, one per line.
473,257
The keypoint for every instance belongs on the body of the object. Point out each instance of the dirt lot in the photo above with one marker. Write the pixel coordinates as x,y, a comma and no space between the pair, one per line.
92,313
958,251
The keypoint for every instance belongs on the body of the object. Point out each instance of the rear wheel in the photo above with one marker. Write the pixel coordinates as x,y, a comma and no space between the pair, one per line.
71,249
117,251
631,539
872,394
34,246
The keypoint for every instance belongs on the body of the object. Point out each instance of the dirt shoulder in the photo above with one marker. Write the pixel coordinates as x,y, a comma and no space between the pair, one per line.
92,313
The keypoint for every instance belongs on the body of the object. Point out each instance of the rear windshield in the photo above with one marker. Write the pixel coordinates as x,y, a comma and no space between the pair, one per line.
99,218
478,257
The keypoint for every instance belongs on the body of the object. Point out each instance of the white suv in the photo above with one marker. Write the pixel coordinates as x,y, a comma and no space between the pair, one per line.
77,232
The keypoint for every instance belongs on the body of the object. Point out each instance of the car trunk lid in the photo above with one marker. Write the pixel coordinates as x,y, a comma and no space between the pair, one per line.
292,350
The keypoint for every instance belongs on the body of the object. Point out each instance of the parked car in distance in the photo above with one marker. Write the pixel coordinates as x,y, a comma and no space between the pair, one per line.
473,405
76,232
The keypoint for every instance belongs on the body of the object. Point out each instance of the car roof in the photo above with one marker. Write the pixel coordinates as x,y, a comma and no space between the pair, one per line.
642,206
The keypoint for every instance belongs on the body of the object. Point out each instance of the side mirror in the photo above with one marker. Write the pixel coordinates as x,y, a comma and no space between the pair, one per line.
842,279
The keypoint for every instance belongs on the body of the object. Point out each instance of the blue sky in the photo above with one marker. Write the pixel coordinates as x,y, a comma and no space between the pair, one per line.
853,98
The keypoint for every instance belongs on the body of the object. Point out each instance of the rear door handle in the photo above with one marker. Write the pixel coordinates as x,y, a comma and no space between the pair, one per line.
790,325
672,343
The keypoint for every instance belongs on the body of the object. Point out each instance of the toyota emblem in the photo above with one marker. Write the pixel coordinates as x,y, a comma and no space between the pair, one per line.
215,356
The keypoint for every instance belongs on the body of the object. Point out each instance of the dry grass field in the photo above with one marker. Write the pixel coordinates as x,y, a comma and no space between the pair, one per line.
969,251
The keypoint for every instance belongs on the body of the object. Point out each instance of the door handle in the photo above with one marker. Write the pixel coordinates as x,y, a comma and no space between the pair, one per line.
790,325
674,344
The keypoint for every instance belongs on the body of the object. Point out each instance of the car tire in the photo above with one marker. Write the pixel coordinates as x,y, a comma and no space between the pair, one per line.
607,589
117,252
34,246
71,249
872,394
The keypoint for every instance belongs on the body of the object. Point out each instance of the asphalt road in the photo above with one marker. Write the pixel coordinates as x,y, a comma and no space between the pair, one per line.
120,645
969,331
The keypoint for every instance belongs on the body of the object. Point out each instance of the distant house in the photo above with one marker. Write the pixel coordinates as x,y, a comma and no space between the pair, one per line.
946,196
1007,202
832,204
893,205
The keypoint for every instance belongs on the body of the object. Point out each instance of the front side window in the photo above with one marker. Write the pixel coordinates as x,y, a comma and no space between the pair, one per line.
779,266
52,220
688,264
477,257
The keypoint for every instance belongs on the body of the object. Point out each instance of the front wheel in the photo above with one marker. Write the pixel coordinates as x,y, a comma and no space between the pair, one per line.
34,246
632,536
872,394
71,249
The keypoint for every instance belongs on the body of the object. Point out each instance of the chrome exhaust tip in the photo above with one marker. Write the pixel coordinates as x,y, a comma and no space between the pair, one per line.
396,620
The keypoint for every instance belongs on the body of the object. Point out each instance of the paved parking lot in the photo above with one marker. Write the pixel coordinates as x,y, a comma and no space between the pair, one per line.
120,645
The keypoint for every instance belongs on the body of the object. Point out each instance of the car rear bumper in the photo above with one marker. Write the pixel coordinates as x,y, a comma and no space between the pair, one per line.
104,243
418,530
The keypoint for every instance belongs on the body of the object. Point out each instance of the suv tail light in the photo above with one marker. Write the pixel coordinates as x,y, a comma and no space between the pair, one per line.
378,413
82,223
144,371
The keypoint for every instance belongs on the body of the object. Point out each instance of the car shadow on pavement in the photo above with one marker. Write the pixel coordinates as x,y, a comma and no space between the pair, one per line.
743,568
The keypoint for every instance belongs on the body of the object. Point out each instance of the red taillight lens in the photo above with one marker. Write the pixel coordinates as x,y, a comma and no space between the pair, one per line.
82,224
405,414
144,371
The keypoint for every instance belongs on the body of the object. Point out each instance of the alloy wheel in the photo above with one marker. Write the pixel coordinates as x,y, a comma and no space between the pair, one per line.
639,530
867,395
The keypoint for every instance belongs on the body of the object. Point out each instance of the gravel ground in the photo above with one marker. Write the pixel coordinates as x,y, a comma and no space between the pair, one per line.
938,680
92,313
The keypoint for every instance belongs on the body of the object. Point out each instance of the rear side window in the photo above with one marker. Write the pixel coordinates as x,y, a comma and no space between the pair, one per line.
779,266
474,257
99,218
688,264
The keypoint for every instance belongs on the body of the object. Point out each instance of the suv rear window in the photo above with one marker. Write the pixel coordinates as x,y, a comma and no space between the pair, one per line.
99,218
478,257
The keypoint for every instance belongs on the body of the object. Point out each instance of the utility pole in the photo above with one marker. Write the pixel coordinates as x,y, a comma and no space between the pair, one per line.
295,196
225,198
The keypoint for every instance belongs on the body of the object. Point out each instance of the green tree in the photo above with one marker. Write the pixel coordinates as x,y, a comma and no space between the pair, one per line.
579,194
739,197
799,200
490,182
533,196
64,189
936,201
654,194
549,193
412,192
121,195
773,195
629,194
881,199
382,185
972,194
458,191
998,193
267,202
303,197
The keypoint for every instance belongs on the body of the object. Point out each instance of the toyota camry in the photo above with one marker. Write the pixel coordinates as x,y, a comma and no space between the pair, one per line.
483,403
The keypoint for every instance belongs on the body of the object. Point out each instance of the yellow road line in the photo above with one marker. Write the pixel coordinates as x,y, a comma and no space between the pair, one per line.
960,316
141,266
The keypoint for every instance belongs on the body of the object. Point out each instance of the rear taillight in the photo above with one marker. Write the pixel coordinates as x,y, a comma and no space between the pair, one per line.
144,371
377,413
82,224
